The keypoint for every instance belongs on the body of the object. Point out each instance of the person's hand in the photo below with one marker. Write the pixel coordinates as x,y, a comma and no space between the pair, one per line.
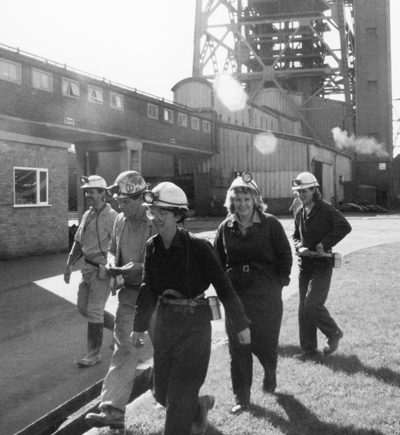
244,336
131,268
137,339
320,249
67,274
109,269
304,252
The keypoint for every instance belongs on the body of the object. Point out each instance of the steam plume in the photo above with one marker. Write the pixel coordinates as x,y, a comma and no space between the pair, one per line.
361,145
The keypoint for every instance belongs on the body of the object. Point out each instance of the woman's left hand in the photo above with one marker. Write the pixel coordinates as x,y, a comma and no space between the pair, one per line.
244,336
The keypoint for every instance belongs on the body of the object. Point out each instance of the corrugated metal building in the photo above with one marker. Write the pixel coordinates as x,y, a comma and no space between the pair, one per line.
276,116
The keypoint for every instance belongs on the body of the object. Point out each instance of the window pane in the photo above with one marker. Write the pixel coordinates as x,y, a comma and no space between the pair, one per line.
25,186
43,187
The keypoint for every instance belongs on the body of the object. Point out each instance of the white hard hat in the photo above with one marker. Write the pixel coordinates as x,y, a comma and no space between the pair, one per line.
304,181
127,184
168,195
93,181
244,180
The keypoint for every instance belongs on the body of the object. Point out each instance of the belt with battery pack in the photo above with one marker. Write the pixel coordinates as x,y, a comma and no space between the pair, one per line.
181,304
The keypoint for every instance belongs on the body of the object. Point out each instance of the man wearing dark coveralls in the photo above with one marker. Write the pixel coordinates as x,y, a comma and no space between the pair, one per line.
178,269
256,253
318,228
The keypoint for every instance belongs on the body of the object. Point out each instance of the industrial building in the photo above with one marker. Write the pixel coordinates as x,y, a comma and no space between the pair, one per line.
297,84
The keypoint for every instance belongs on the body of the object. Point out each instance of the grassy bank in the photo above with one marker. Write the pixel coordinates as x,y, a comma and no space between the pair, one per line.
354,392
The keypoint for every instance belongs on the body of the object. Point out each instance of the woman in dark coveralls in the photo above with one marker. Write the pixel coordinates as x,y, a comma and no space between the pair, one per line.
318,227
256,253
178,269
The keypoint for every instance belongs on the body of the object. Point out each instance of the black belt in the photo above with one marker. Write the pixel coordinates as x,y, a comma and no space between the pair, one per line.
247,267
92,263
174,297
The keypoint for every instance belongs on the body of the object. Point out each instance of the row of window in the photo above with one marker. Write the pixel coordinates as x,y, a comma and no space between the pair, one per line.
31,186
168,116
43,80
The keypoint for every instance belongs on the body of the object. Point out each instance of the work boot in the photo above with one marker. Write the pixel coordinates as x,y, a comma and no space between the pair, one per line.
333,343
109,416
200,425
239,408
95,339
307,355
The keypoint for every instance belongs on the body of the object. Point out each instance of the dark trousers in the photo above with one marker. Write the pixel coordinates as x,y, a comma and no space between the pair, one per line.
266,318
182,349
314,285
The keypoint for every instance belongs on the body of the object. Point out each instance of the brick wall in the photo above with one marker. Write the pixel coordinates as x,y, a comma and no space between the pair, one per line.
33,230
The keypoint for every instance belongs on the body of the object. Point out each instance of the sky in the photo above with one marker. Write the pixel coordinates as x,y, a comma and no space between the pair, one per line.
143,44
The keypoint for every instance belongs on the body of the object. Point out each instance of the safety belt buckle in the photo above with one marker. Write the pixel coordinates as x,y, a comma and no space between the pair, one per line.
246,268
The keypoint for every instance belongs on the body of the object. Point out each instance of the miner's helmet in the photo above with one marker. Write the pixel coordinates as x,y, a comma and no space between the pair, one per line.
167,195
93,181
305,180
244,180
128,184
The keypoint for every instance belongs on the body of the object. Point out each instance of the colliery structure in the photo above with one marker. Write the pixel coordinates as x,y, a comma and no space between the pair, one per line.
306,67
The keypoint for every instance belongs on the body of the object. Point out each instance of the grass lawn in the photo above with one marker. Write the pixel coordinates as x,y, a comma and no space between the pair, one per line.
356,391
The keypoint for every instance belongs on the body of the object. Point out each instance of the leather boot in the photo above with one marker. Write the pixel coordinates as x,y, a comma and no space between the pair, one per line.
95,339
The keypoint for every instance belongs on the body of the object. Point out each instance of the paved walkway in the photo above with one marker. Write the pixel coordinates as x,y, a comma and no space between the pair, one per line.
41,332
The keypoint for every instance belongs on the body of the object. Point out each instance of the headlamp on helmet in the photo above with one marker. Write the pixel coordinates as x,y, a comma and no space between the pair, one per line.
129,184
93,181
244,180
305,180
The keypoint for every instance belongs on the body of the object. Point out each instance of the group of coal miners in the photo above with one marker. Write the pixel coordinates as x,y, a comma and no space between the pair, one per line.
161,274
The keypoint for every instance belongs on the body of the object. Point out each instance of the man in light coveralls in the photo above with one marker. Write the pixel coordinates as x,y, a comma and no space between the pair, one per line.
125,263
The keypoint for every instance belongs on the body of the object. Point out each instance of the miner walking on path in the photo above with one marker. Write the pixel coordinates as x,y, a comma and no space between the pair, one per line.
318,228
91,241
125,263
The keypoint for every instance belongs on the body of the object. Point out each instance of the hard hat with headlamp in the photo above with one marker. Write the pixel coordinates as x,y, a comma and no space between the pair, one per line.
93,181
128,184
305,180
167,195
244,180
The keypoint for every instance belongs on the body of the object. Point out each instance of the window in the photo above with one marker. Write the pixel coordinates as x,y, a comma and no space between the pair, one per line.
152,111
168,116
195,123
207,126
10,71
95,95
372,84
42,80
182,119
70,88
30,186
116,101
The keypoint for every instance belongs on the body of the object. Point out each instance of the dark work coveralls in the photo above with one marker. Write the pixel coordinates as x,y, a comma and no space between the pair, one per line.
328,226
258,265
182,343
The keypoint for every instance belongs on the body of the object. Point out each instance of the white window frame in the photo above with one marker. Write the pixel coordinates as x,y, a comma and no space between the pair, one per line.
152,111
70,88
38,173
39,82
5,73
182,119
195,123
207,126
169,116
117,97
95,94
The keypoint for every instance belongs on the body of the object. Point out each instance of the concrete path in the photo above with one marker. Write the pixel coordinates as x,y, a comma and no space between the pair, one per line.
41,332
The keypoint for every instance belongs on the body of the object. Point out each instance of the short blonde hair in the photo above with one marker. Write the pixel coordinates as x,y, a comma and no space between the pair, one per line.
258,201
